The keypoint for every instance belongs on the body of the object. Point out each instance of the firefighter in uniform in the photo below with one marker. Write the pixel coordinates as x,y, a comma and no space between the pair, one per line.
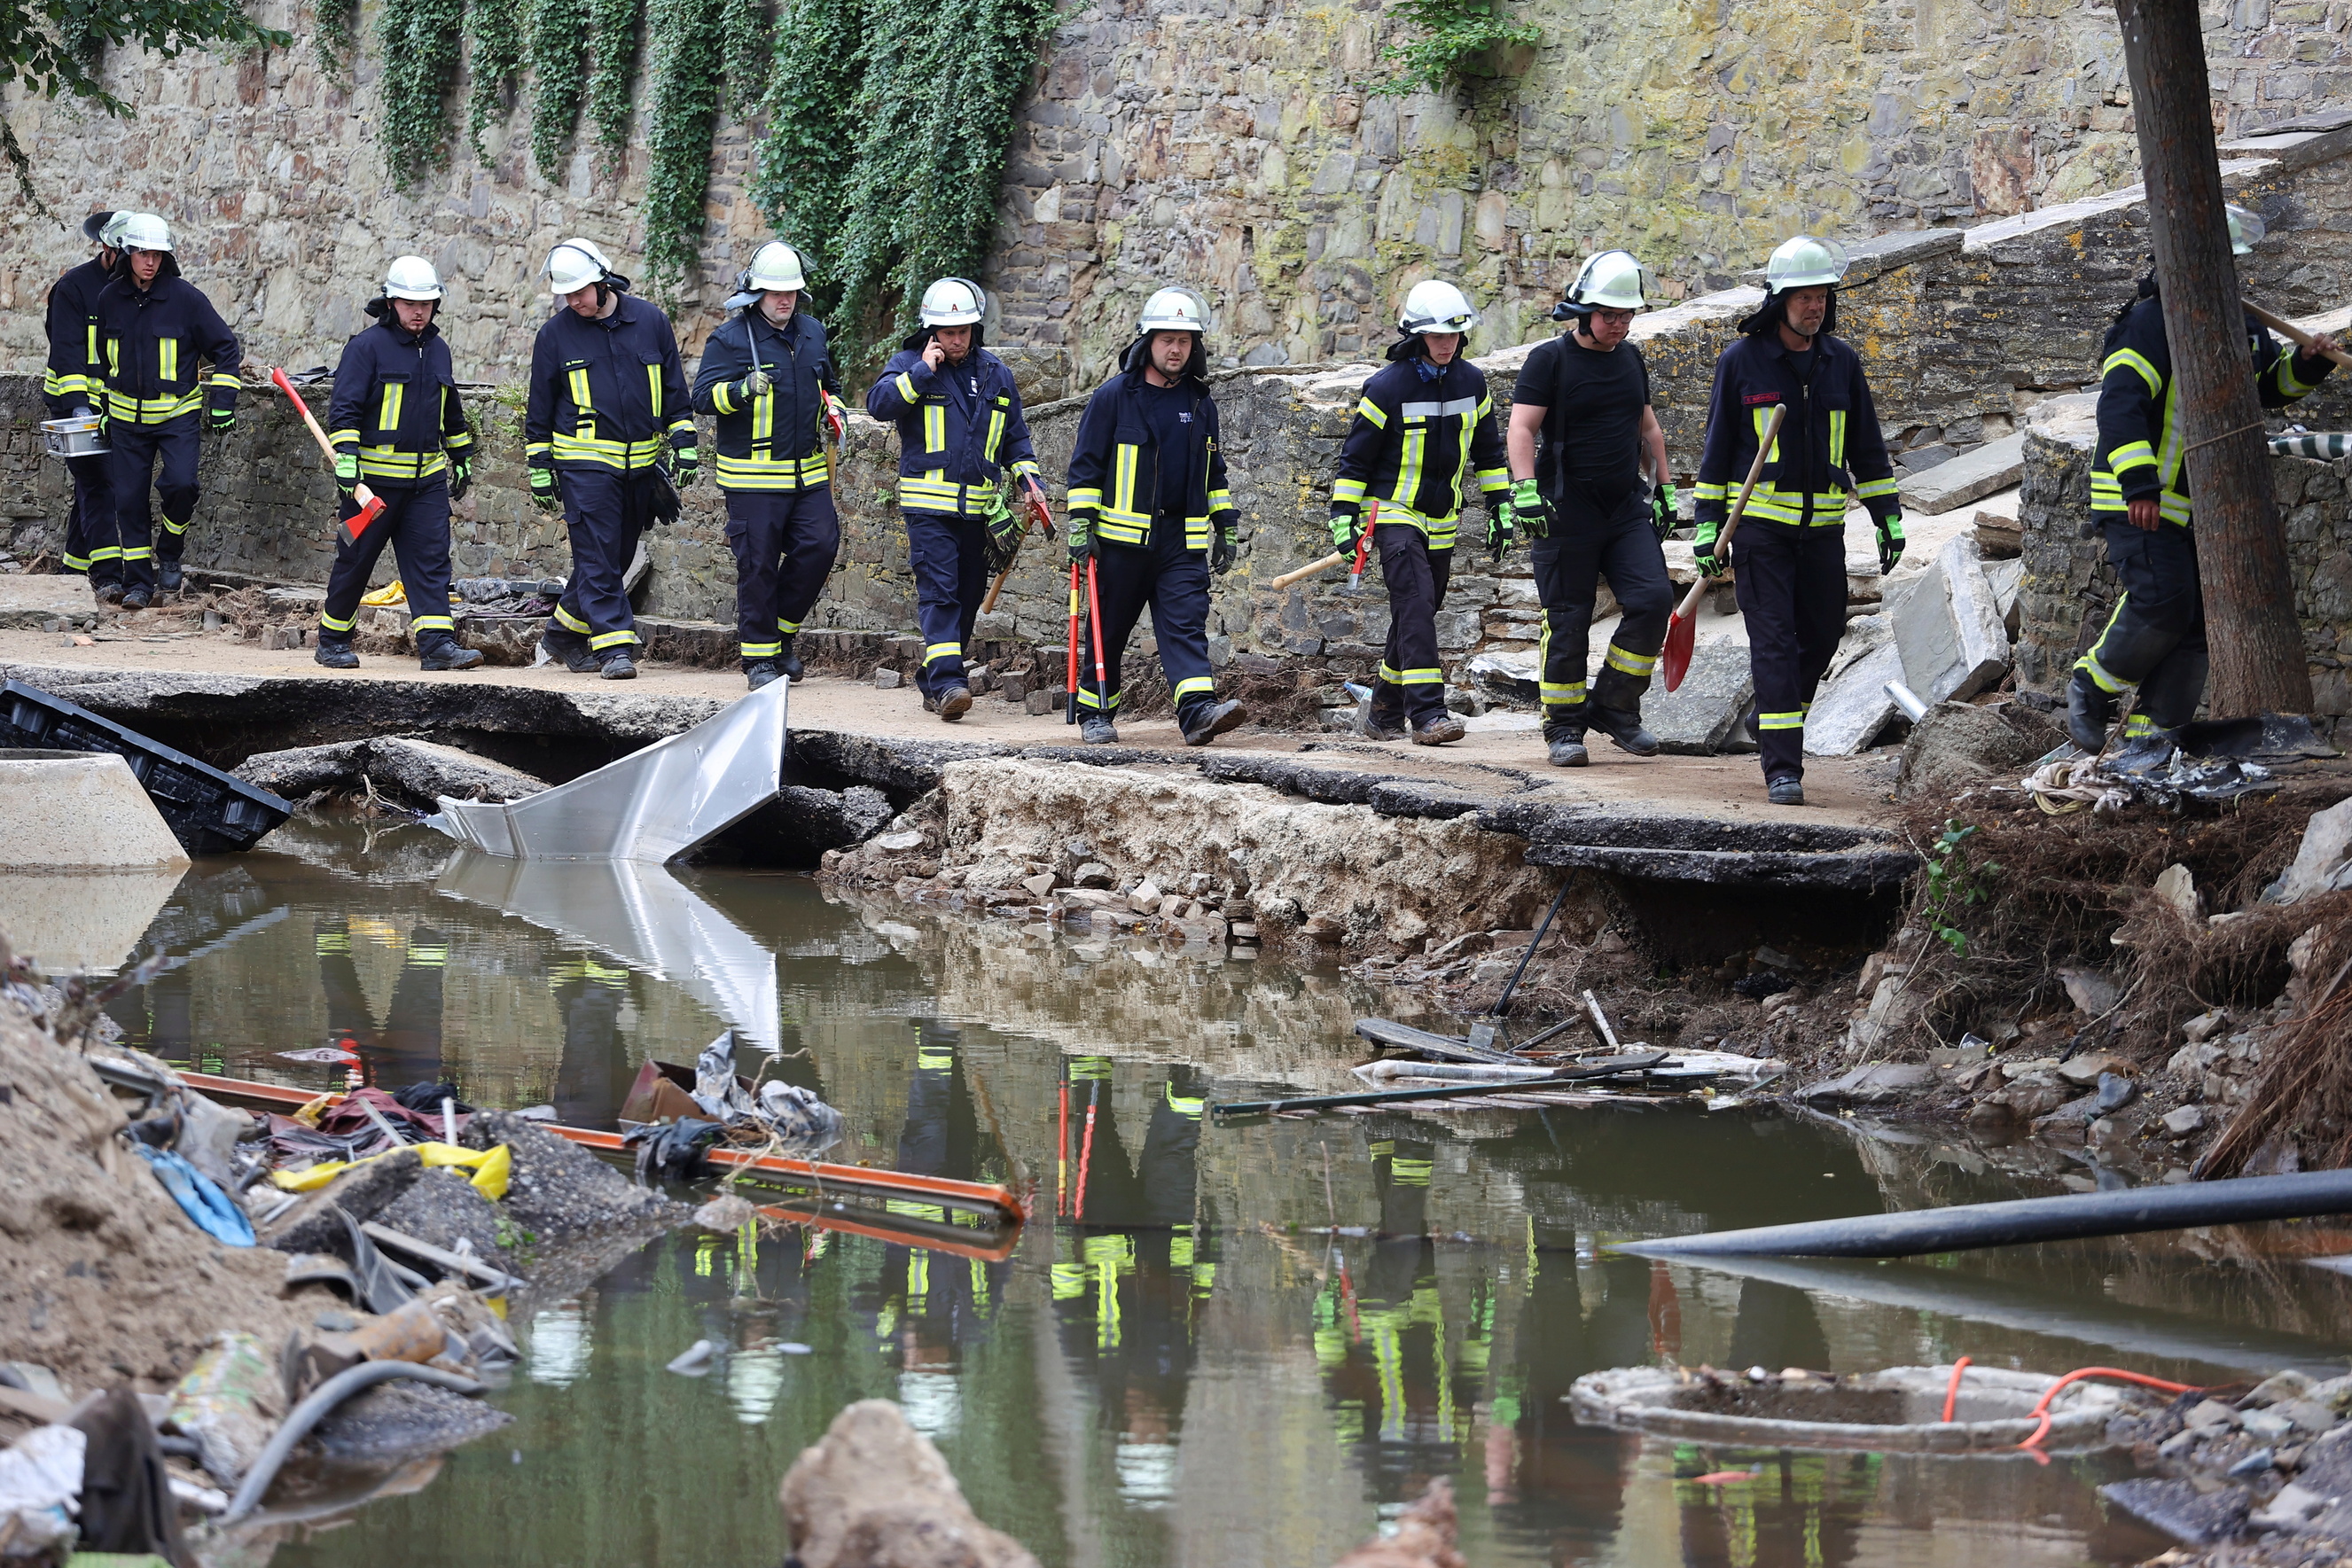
398,427
2139,490
1423,425
1147,493
75,384
767,374
1790,547
1581,497
608,424
960,429
153,327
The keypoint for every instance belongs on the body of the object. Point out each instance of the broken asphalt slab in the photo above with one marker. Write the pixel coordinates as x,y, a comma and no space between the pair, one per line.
1723,852
1970,476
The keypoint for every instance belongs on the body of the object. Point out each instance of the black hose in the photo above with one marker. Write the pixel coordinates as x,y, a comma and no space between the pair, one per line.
2072,1216
314,1409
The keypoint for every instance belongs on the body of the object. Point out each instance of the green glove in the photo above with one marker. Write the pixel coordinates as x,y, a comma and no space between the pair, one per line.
1890,541
754,384
542,490
1226,548
224,420
685,463
1344,528
461,478
1530,511
1080,535
347,474
1502,528
1709,563
1663,499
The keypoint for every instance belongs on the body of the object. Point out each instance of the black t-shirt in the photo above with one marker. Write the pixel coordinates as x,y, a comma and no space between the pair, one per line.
1593,400
1169,410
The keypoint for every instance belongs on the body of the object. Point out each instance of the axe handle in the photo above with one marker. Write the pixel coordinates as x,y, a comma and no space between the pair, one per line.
1689,606
2293,333
365,496
1309,570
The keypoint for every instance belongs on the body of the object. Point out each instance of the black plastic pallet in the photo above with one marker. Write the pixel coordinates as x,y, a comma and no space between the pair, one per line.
209,812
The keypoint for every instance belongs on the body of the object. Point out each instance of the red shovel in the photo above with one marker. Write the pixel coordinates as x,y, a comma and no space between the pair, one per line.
370,504
1682,632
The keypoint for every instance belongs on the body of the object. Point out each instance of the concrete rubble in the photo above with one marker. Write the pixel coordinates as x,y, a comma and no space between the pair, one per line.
873,1493
407,772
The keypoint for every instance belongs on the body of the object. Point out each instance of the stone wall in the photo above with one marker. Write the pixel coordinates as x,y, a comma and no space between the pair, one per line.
1232,144
2069,589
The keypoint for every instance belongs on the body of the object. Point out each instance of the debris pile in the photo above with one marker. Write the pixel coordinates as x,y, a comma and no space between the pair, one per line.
2265,1477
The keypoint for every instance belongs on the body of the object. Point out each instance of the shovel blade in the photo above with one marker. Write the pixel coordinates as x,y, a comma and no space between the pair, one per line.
1675,658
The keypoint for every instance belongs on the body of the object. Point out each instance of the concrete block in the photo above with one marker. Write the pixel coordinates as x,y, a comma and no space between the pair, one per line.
29,602
1704,714
1947,627
80,812
1970,476
1852,706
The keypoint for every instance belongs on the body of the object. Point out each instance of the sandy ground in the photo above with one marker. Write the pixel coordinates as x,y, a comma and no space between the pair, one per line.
1839,789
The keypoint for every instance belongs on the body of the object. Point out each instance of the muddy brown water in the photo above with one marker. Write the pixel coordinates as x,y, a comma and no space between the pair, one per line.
1192,1370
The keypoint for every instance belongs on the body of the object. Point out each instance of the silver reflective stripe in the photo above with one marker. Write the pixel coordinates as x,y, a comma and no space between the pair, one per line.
1440,410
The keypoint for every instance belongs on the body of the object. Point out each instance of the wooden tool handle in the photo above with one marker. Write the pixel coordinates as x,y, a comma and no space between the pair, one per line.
2293,333
278,379
1309,570
988,605
1689,606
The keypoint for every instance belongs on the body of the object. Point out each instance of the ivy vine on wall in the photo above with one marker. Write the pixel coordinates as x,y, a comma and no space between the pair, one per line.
888,125
612,34
339,35
497,31
419,39
1446,41
559,56
687,43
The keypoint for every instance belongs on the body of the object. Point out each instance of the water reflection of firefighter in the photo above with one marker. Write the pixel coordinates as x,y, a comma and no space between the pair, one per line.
1574,1471
1800,1510
592,1076
407,1048
1126,1298
932,1304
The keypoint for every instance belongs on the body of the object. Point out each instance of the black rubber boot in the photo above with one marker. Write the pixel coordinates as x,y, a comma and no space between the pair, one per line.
1564,752
955,702
2170,694
1625,729
440,651
1615,710
137,598
1438,731
1786,791
618,666
762,673
168,576
2089,711
336,654
1203,722
1095,730
109,592
788,663
570,648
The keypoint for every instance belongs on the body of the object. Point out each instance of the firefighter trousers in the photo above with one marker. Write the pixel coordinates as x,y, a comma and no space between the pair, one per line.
1173,580
785,542
2155,639
949,556
1791,587
1584,547
416,524
89,526
606,512
1411,687
136,453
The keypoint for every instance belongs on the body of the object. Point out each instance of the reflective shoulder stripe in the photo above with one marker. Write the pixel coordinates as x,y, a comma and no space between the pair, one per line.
1373,412
2138,362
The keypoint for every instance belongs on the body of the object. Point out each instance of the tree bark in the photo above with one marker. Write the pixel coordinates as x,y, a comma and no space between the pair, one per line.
2252,633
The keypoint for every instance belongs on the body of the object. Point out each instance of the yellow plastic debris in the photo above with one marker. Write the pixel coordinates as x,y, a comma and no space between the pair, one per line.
390,593
491,1168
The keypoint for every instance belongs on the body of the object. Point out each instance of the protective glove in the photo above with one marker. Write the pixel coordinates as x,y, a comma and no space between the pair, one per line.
1226,547
1344,528
1081,532
1529,511
685,463
753,385
1890,541
1711,562
224,420
347,474
1502,528
542,490
1003,528
461,478
1663,502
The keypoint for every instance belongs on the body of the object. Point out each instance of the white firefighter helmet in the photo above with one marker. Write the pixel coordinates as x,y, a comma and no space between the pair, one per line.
954,302
1611,280
572,266
776,266
1435,306
411,277
140,231
1805,262
94,227
1173,311
2246,229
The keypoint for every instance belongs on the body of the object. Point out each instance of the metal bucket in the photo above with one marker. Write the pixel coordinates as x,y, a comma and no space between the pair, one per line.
76,437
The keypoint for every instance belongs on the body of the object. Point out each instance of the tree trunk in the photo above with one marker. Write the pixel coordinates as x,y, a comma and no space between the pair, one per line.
2252,633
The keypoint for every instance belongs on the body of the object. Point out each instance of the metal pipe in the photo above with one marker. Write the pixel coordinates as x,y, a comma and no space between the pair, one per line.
2070,1217
1913,706
314,1409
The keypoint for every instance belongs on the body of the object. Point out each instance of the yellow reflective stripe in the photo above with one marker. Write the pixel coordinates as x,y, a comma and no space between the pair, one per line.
605,639
457,443
394,394
1631,663
1348,490
1780,720
223,378
2089,662
342,437
683,427
2292,386
942,650
654,387
1837,438
935,427
2138,362
167,359
2131,454
1201,684
152,411
432,623
1560,694
113,357
722,397
608,453
774,473
1085,496
332,624
90,357
995,433
1368,409
763,420
930,494
390,463
788,628
580,400
906,384
1763,417
1710,492
1870,488
569,621
761,650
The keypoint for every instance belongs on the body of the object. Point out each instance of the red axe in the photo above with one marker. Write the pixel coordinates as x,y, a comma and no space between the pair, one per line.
370,504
